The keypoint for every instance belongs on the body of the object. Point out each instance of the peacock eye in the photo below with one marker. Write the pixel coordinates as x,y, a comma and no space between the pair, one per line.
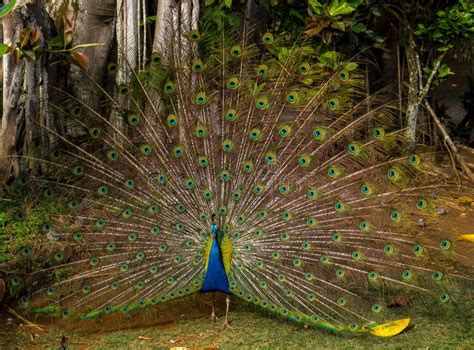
112,67
169,87
343,75
194,35
75,110
197,66
123,89
232,83
172,120
267,38
333,103
379,133
262,70
201,98
236,51
304,68
156,58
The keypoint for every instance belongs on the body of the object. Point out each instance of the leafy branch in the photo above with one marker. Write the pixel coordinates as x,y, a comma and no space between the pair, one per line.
29,44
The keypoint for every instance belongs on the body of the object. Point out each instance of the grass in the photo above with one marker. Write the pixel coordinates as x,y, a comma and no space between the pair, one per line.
443,328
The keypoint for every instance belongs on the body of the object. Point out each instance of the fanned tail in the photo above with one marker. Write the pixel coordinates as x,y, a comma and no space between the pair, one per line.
319,203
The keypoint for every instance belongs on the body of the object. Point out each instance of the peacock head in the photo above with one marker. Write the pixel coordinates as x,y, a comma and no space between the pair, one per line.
214,228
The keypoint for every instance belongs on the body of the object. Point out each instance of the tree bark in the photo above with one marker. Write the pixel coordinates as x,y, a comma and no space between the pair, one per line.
25,95
128,48
12,83
417,91
94,23
413,107
37,77
128,39
167,9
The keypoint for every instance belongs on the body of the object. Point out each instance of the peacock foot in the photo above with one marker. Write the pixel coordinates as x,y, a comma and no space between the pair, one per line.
225,325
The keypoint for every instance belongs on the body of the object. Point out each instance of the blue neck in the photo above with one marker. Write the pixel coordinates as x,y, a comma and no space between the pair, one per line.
216,278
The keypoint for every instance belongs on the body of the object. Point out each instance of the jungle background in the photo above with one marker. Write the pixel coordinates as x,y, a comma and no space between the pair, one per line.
419,51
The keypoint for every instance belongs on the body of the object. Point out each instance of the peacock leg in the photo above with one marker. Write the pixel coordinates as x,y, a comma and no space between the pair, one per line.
213,313
226,320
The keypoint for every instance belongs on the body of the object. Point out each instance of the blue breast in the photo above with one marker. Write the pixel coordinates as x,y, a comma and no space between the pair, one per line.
216,279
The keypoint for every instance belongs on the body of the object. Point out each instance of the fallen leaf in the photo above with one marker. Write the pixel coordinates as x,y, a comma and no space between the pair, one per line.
465,200
466,238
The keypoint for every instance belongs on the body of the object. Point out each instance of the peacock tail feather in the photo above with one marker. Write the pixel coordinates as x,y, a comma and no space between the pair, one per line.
315,195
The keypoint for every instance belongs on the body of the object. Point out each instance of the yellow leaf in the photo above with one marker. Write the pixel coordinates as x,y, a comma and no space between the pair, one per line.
467,238
389,329
465,200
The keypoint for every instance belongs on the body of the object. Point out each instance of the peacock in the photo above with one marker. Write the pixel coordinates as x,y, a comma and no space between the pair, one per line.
243,164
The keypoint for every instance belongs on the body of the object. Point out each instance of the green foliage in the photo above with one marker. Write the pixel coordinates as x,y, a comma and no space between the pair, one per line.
4,49
441,75
449,28
221,3
27,46
149,20
62,44
290,16
337,23
330,59
215,17
335,9
347,23
7,8
450,25
334,16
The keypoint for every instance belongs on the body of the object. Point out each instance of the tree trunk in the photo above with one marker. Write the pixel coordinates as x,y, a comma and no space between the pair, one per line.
417,89
94,23
128,48
25,95
413,107
13,75
37,78
166,14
